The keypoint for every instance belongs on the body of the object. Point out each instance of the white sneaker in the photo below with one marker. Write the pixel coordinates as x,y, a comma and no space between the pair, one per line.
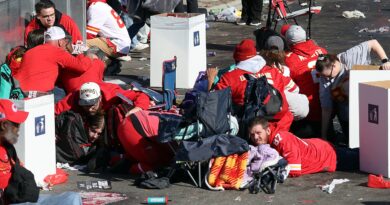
140,46
124,58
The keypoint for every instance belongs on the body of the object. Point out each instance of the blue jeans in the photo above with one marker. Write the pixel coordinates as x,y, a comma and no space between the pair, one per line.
129,23
68,198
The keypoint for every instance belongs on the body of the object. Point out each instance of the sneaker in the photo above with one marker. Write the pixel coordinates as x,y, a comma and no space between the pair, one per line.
140,46
241,22
255,23
124,58
377,182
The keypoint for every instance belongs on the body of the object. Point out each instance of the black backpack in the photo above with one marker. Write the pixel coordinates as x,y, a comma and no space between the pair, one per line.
70,134
21,186
261,100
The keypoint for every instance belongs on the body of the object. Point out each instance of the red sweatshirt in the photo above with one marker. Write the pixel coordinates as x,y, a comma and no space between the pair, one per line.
62,20
40,67
236,80
109,98
301,61
304,156
72,81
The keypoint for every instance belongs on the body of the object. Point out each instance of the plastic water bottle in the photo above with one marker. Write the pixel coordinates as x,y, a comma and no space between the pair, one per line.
211,53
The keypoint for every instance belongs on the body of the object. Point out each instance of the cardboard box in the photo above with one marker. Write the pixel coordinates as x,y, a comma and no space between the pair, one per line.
358,74
374,126
180,35
36,143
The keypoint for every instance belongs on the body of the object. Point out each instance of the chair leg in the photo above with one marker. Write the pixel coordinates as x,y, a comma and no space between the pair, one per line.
190,175
199,175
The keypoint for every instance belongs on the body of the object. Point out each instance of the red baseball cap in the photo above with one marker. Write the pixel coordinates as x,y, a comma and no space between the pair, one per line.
8,111
284,29
245,50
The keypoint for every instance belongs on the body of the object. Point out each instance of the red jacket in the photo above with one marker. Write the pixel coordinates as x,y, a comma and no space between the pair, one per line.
301,61
304,156
40,67
109,98
62,20
236,80
71,81
5,168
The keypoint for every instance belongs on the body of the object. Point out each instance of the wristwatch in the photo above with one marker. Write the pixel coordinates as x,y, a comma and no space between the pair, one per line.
385,60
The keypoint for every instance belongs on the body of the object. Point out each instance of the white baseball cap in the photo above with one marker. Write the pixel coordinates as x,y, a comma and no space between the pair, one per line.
54,33
89,94
295,34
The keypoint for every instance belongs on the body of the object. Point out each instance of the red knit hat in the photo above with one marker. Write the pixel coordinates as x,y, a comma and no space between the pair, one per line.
284,29
245,50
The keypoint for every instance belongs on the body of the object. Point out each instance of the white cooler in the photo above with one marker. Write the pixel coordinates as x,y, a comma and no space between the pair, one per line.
360,73
374,99
36,143
183,36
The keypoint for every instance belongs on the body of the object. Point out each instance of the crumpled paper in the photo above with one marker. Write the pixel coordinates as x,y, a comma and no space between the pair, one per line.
382,29
329,187
353,14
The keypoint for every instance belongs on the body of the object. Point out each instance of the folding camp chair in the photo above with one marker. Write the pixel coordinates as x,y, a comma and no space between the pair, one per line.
212,111
281,12
267,179
167,98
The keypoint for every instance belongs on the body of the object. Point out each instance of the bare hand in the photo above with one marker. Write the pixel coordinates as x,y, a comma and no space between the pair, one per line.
211,74
132,111
386,66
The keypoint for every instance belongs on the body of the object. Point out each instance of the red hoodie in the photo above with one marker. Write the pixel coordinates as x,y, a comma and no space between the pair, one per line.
109,98
301,61
304,156
236,80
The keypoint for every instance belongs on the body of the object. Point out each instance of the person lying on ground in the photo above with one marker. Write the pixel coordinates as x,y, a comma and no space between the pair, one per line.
274,55
93,98
334,80
248,62
304,156
301,60
78,140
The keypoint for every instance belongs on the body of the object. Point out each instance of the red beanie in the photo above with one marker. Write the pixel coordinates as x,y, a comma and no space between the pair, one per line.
245,50
284,29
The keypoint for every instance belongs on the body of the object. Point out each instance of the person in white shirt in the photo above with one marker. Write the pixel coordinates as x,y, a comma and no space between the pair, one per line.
106,30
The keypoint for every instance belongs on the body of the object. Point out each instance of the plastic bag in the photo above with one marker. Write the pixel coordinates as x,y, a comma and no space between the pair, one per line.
59,177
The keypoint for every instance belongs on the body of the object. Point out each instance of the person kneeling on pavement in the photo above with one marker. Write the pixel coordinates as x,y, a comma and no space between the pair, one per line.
93,98
334,81
304,156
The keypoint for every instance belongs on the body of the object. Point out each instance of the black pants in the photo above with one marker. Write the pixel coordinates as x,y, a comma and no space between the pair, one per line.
306,129
251,10
347,159
192,7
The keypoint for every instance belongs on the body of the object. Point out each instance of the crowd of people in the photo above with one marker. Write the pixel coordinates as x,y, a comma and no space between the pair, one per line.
104,125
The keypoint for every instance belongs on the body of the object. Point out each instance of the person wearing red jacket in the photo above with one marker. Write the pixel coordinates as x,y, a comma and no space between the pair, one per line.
47,16
40,66
10,120
301,60
93,98
248,62
70,81
304,156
